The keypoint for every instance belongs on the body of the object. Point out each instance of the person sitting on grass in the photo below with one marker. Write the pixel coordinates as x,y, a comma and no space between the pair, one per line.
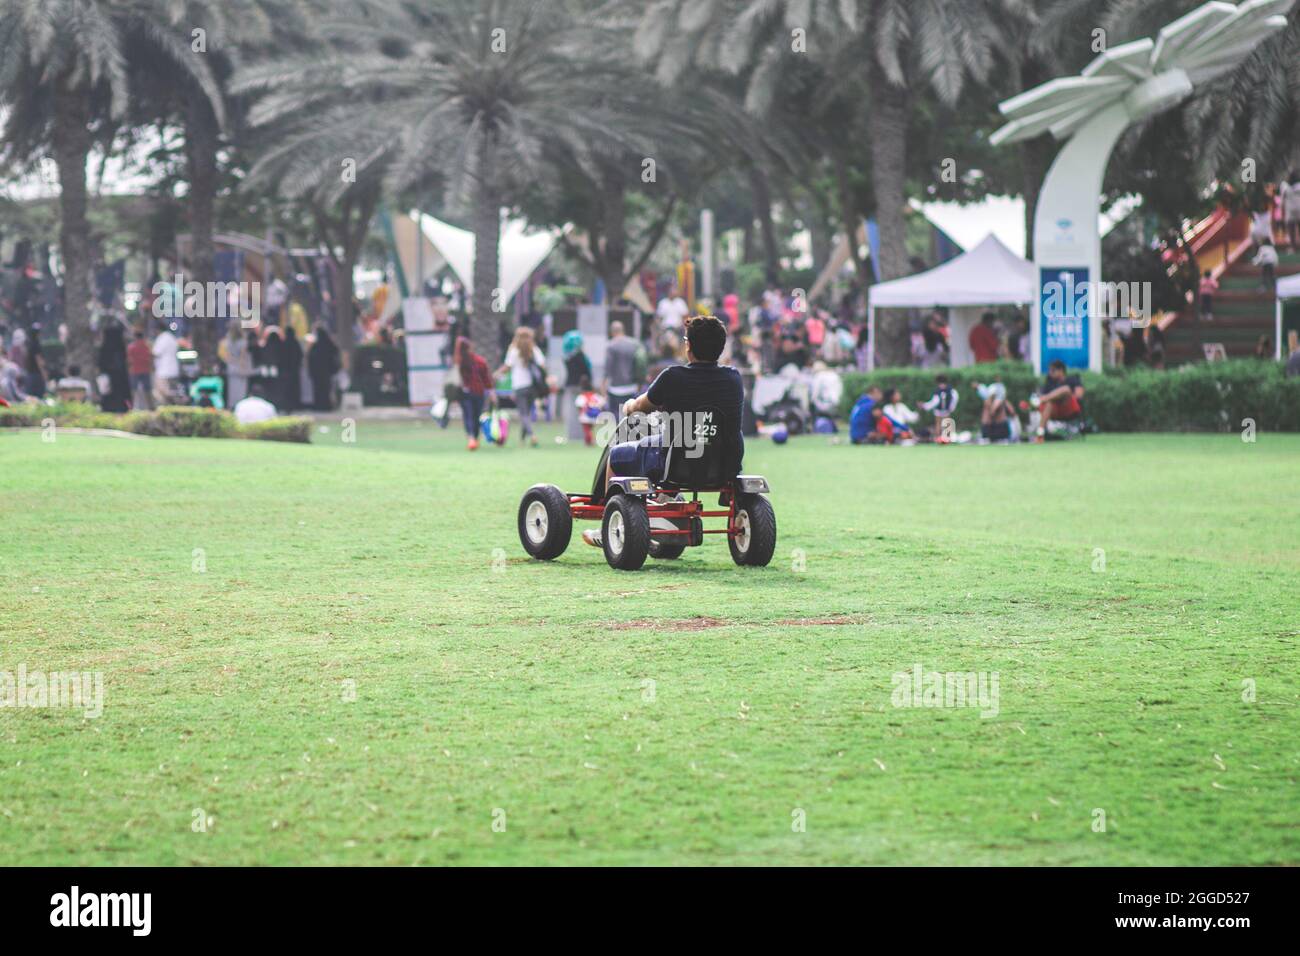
1059,398
684,390
72,387
903,418
997,417
883,431
861,420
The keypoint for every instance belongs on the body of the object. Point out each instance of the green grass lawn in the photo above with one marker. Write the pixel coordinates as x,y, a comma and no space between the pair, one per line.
238,595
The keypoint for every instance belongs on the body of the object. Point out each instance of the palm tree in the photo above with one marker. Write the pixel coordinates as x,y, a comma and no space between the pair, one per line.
217,33
65,79
891,53
1254,112
477,93
315,160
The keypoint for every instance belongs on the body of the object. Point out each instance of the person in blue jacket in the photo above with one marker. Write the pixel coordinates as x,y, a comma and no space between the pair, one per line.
860,420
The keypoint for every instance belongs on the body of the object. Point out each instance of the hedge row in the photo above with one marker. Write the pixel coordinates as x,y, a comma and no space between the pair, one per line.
1207,396
173,421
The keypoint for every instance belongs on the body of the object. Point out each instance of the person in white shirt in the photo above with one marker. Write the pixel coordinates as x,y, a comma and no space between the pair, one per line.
898,411
1261,225
72,387
1266,259
166,367
526,363
672,310
1290,193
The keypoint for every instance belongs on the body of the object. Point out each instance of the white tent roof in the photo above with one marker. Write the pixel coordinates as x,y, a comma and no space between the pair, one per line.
521,251
1288,287
989,274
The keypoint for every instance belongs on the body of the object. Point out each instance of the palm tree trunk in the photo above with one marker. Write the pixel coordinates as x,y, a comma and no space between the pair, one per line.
488,326
71,141
612,256
887,129
763,209
849,215
201,157
354,233
345,291
1035,158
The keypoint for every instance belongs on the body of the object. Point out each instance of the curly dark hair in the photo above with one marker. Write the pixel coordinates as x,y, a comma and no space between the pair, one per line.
706,336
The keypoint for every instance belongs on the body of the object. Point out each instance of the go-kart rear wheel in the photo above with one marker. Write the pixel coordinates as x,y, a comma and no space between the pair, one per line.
668,547
625,533
545,522
756,521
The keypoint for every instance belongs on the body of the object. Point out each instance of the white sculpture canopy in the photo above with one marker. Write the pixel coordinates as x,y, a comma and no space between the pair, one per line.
1121,86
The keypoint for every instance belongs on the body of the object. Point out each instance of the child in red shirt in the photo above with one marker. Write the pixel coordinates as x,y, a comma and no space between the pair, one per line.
590,406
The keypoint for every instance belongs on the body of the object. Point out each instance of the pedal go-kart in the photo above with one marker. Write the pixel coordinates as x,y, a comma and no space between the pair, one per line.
645,516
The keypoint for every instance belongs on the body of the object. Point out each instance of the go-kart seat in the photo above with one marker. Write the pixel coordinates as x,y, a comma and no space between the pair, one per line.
705,456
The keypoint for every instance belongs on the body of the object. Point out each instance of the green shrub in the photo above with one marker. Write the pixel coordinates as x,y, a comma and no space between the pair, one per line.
64,414
1208,396
279,429
22,415
170,421
183,421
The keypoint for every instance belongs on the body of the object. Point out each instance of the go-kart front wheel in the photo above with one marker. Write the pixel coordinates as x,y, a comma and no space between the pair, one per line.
625,533
545,522
756,522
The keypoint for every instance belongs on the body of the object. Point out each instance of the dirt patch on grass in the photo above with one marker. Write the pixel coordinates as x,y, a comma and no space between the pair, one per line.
645,624
705,623
834,620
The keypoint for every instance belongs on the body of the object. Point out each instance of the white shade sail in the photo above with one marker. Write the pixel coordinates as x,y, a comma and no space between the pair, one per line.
989,274
521,251
1288,287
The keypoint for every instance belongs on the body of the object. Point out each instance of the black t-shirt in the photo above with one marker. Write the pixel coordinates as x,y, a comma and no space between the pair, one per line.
689,388
1050,386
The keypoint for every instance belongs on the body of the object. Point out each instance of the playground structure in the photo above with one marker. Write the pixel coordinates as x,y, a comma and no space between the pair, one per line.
1089,113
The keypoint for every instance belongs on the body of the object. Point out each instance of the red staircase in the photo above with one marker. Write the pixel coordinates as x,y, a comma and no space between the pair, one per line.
1243,310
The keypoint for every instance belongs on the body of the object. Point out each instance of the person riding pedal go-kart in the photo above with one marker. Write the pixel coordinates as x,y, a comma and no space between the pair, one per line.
639,492
682,389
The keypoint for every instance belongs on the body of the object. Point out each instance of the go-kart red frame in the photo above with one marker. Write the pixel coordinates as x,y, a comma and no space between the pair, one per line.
580,506
635,524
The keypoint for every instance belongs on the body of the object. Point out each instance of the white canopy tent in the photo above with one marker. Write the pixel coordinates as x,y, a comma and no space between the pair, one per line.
1288,287
989,274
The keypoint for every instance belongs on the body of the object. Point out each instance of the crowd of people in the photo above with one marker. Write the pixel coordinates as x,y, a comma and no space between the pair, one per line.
137,370
1055,409
290,359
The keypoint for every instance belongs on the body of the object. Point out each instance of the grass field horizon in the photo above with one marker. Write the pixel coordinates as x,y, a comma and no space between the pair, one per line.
339,654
